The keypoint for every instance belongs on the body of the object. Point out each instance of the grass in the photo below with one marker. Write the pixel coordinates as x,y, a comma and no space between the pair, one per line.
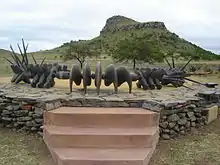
201,147
21,149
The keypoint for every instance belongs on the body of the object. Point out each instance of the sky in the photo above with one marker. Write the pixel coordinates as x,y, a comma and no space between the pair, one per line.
46,24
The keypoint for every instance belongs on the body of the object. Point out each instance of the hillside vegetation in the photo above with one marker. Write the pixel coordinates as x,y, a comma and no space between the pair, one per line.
118,28
4,52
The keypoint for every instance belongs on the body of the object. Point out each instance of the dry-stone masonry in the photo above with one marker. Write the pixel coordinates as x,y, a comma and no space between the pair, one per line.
181,109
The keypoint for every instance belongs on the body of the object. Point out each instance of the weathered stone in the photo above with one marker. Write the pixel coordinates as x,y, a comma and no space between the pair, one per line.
34,129
30,123
37,116
170,104
193,124
10,107
182,115
38,111
30,113
189,114
191,106
39,120
21,113
164,117
6,112
212,113
153,106
172,125
20,123
198,110
188,124
8,119
176,128
15,124
172,132
198,114
182,128
57,104
12,115
182,121
49,106
16,107
165,136
173,118
193,118
164,124
27,118
182,132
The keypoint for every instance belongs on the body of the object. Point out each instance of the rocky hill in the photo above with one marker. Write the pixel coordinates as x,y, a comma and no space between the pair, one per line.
119,27
121,23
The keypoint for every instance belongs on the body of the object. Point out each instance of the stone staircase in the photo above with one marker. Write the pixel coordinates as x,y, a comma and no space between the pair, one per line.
101,136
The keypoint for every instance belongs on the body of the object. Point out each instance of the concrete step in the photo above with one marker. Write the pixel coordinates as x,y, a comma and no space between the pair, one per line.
101,136
57,136
101,117
97,156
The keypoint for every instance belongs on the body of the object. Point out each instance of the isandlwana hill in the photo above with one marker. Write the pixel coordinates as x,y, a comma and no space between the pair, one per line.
118,27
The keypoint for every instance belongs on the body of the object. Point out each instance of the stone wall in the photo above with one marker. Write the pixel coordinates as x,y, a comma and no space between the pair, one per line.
24,114
20,115
177,116
179,120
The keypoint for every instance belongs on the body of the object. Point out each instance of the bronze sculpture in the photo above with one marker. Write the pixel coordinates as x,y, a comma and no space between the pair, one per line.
43,75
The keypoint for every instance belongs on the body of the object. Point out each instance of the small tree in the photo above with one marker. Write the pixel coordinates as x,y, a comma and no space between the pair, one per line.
135,48
78,51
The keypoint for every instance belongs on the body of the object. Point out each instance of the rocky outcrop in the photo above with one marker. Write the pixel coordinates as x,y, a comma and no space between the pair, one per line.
121,23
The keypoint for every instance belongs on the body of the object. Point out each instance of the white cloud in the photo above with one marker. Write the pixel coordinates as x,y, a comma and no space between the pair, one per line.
49,23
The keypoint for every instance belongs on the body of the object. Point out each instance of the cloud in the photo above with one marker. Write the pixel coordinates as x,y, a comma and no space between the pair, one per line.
47,24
